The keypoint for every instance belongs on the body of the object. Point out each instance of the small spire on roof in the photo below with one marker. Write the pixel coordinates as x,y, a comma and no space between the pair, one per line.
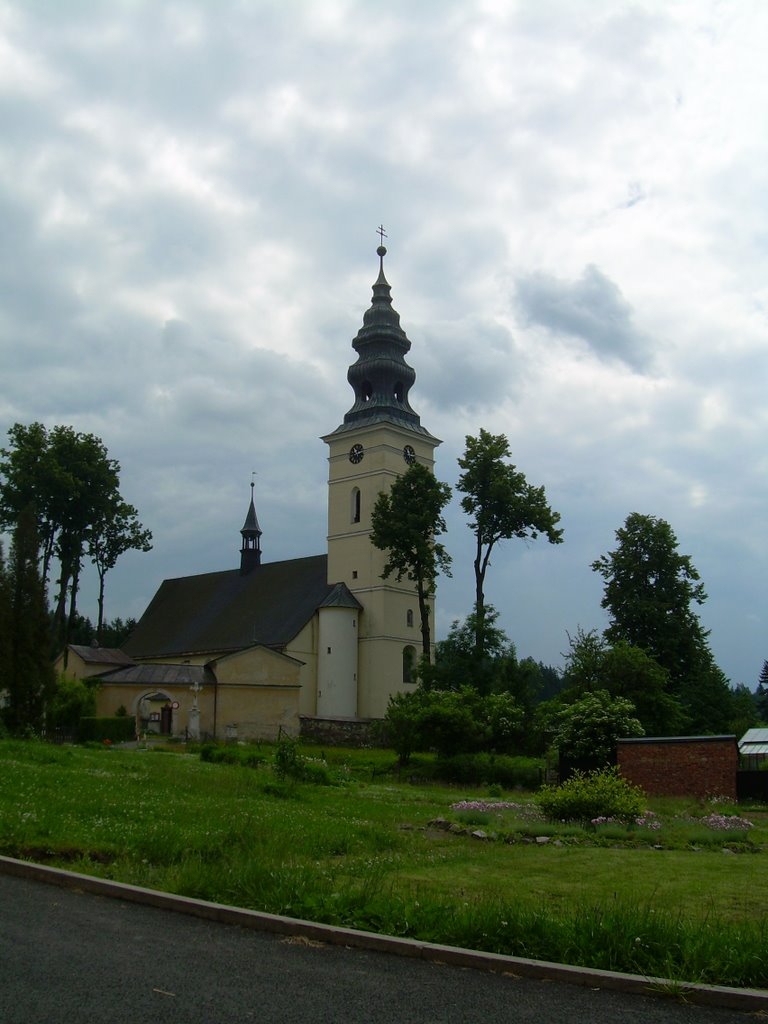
250,552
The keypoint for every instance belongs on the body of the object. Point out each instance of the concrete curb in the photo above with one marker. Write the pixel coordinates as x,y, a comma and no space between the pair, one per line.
750,1000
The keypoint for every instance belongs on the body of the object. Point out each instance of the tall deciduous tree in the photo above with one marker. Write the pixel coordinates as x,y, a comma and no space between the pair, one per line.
502,505
26,674
404,523
73,486
649,589
116,531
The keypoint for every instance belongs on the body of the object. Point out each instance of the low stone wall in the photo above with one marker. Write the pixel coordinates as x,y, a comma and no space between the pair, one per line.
338,732
699,766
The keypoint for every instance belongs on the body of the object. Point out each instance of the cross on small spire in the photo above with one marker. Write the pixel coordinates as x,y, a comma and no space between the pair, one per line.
381,233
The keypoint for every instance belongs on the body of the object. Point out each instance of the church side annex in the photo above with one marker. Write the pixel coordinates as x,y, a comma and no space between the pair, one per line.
323,638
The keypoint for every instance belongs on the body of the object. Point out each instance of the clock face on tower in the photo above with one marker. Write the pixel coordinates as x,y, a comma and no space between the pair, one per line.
409,455
356,454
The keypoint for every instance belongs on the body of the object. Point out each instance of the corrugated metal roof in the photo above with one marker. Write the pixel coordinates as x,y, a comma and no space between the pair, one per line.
754,741
755,736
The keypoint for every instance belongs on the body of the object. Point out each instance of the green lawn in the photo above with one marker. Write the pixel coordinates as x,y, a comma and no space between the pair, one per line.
363,853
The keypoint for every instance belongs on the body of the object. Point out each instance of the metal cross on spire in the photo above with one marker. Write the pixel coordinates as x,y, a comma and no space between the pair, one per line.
381,233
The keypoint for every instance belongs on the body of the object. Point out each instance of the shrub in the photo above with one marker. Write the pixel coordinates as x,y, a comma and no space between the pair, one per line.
73,699
288,763
118,730
584,797
452,722
487,768
215,753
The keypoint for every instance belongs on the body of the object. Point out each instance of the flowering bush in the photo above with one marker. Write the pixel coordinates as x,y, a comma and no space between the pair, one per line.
647,820
726,822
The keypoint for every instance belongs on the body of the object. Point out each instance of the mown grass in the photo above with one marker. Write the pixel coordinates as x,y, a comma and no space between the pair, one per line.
367,853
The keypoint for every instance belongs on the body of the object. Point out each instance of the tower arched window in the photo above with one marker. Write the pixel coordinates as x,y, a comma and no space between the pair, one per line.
354,513
398,391
409,664
409,617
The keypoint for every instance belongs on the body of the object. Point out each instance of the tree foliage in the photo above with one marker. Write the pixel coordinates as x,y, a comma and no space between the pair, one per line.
501,505
72,700
452,722
404,523
114,632
457,663
590,727
117,530
649,588
761,694
72,485
26,672
625,671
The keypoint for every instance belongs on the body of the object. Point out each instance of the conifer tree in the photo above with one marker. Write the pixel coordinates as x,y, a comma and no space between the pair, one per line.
761,694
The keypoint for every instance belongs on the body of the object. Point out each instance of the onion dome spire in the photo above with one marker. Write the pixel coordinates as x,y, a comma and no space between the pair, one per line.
381,378
250,552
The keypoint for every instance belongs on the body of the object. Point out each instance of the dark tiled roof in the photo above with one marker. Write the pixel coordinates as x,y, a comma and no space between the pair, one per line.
101,655
341,597
159,675
227,611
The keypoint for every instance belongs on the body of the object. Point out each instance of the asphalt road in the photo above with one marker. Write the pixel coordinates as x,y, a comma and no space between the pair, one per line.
68,956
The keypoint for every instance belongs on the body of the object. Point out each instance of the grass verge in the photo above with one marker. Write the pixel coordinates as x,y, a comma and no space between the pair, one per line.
365,853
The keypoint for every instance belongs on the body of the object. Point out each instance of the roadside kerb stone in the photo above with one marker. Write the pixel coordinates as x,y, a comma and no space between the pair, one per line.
754,1000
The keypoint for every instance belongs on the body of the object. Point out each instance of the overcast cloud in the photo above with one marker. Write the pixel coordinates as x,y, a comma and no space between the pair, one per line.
574,192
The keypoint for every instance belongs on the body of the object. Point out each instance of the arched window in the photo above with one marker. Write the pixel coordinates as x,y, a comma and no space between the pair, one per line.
409,617
355,505
409,664
398,393
366,391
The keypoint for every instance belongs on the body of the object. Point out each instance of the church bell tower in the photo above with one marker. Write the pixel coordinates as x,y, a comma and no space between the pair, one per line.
380,437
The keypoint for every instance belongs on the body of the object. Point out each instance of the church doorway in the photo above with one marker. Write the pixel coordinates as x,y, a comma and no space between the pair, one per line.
155,713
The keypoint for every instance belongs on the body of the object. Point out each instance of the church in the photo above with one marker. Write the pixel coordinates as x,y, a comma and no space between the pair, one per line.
284,647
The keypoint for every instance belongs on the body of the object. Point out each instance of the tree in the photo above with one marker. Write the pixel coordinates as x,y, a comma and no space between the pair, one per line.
5,636
590,727
114,632
456,663
26,673
649,589
744,710
761,694
116,531
72,485
72,700
404,524
502,505
623,671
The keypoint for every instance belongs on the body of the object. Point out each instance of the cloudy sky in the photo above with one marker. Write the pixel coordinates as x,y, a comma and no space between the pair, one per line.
574,193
